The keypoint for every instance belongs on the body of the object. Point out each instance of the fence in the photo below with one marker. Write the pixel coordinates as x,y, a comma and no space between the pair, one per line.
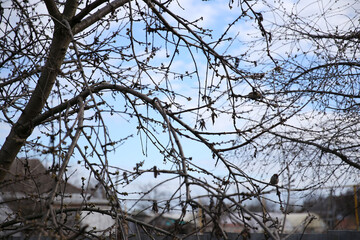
330,235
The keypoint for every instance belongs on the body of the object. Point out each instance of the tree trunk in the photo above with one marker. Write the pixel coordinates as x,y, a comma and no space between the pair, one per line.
19,131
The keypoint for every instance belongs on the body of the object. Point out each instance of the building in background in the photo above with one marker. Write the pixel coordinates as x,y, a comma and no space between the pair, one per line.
26,189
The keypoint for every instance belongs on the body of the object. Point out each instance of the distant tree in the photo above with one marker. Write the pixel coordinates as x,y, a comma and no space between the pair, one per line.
263,88
333,208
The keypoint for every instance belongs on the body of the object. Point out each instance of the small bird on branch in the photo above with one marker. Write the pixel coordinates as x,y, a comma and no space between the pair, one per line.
255,95
274,179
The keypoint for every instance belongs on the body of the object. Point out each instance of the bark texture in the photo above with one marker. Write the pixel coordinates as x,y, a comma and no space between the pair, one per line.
22,129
